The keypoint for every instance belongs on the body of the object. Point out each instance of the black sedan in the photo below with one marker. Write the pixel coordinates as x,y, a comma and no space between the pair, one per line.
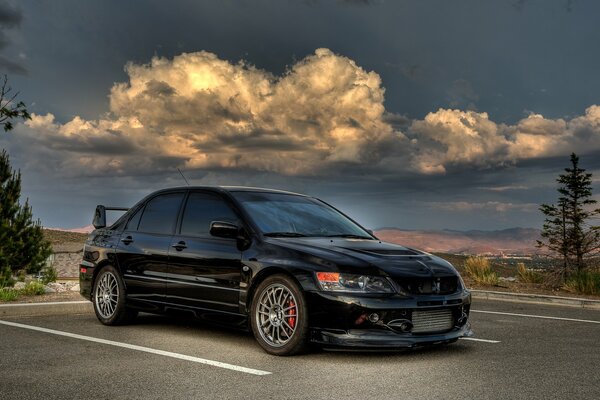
290,267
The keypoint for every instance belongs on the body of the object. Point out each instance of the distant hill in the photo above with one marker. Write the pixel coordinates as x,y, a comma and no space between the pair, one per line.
83,229
60,237
507,241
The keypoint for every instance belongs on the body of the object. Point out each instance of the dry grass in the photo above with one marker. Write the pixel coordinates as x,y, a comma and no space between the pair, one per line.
480,271
584,282
527,275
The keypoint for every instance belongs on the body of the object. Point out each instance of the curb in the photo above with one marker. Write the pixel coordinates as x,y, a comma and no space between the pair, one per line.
536,299
40,309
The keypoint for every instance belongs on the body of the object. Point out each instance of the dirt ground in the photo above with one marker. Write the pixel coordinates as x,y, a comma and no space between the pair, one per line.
51,297
531,288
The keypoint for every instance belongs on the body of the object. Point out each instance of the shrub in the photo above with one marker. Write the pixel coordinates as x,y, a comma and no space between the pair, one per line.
584,282
528,275
479,269
6,278
48,275
8,294
33,288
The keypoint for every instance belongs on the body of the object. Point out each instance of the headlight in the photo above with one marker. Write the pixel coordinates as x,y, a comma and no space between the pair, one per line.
338,282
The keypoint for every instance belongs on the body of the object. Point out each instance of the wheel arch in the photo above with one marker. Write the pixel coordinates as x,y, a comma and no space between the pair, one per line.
264,274
99,267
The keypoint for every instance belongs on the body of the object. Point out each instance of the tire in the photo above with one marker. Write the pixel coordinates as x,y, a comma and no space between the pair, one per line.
109,296
279,316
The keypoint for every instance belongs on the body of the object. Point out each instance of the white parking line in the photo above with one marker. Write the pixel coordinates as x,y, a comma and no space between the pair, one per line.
479,340
50,303
140,348
588,321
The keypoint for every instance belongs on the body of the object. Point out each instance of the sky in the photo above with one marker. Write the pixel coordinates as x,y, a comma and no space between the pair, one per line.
428,114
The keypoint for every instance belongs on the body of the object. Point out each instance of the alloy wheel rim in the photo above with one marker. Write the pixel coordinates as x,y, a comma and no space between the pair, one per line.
277,315
107,295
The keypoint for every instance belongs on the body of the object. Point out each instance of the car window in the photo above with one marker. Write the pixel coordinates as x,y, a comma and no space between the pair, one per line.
203,208
134,221
280,213
160,214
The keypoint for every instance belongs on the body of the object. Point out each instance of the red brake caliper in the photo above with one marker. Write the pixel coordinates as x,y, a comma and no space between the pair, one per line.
292,318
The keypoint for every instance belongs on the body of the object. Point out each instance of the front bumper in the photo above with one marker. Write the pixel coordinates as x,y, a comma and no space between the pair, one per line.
378,339
338,320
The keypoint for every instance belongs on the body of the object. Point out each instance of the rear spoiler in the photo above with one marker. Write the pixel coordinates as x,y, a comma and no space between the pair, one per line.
100,215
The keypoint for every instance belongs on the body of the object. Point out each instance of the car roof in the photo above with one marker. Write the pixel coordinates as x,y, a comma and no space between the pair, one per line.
230,189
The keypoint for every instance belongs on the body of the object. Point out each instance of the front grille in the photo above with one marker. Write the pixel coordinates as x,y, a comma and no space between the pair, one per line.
444,285
430,321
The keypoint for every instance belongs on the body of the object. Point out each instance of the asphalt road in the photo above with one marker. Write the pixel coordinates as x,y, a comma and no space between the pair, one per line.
525,357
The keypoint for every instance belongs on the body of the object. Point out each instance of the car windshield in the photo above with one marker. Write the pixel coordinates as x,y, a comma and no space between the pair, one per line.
287,215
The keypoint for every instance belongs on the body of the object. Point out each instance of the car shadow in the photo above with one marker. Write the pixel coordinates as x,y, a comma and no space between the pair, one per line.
234,333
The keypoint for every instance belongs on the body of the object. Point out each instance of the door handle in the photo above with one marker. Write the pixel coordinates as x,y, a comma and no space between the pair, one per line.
179,245
127,240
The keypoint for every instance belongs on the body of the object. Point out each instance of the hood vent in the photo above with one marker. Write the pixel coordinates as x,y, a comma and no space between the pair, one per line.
405,252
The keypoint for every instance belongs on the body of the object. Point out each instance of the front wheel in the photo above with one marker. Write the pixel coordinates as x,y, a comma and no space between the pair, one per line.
109,298
279,316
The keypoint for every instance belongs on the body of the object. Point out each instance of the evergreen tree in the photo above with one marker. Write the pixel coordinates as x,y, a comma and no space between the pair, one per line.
9,108
22,245
554,232
567,230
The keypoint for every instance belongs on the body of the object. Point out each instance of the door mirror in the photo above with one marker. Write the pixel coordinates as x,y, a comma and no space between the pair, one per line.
99,220
224,229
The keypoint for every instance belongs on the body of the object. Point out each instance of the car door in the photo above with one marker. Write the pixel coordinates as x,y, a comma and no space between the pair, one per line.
143,249
204,271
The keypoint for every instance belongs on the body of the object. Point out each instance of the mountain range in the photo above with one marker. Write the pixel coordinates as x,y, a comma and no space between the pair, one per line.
520,241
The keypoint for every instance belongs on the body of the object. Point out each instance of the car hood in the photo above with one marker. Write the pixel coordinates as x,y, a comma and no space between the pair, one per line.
366,256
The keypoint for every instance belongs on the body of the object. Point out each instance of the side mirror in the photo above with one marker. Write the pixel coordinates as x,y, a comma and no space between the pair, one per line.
224,229
370,231
99,220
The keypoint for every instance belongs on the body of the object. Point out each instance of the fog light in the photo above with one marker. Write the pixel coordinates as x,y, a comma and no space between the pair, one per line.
361,319
374,317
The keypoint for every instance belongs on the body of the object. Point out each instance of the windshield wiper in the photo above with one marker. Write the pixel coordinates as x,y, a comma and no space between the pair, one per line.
285,234
350,236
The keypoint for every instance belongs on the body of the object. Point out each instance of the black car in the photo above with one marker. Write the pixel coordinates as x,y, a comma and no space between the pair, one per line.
290,267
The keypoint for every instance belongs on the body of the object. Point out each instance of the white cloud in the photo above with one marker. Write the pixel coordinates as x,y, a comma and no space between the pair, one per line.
455,137
198,111
325,114
447,138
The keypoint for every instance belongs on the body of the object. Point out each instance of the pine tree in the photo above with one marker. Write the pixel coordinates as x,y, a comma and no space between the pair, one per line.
567,230
9,107
554,233
22,245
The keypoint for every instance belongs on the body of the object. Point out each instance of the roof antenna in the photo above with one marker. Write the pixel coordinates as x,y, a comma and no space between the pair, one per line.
183,176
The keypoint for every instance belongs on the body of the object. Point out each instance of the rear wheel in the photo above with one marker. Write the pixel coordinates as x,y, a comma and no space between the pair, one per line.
279,316
109,298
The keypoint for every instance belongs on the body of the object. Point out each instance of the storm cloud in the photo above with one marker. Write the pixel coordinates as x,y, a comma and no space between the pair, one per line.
323,116
10,17
200,111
